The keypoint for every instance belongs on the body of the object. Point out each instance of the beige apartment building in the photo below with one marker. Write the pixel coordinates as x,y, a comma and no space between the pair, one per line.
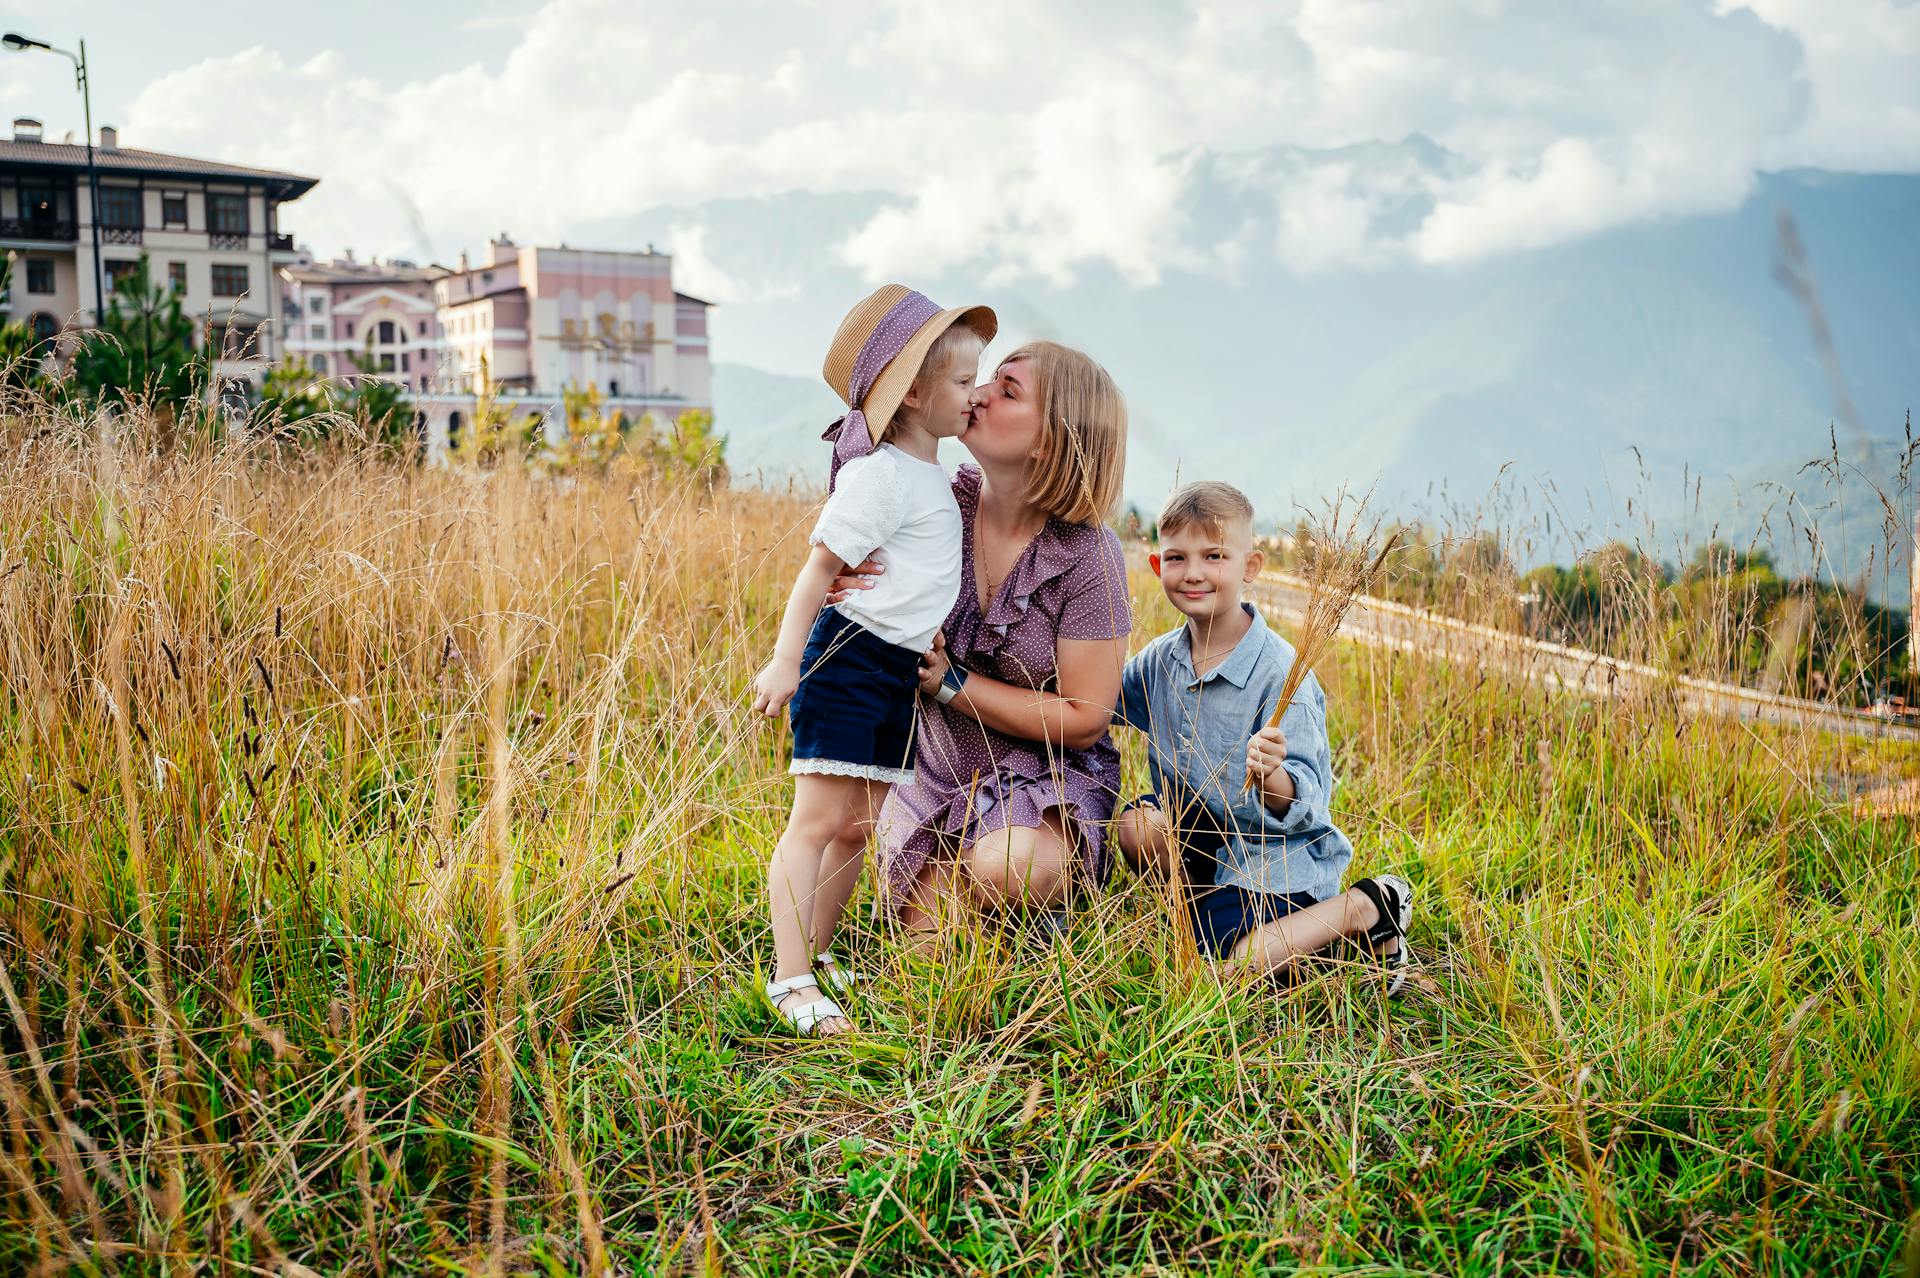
208,229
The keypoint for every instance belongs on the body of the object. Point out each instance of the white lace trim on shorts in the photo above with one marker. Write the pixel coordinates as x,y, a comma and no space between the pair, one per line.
840,768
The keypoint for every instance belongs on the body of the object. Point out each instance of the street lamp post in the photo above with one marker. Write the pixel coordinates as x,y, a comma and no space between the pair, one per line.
21,44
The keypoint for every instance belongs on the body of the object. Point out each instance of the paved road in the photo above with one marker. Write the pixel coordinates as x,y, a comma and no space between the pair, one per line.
1383,623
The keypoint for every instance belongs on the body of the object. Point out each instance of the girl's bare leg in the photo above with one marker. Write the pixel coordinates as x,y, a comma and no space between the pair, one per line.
840,866
1270,947
793,877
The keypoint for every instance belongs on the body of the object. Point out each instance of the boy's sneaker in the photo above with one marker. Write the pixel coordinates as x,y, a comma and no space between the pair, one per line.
1393,897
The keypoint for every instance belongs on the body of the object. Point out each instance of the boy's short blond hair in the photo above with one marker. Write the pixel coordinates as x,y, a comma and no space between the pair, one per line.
1207,504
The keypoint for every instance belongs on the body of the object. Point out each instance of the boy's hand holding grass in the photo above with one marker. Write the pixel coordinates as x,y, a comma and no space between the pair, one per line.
1266,767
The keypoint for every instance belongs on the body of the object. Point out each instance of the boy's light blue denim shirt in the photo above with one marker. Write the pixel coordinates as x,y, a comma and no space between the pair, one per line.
1197,731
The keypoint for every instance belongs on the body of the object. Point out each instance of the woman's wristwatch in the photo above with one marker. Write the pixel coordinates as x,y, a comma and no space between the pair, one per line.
951,683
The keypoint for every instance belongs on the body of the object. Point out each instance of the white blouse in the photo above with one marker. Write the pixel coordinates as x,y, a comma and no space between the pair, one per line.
903,508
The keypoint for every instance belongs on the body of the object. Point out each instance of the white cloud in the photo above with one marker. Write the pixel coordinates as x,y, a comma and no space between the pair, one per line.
1048,139
695,272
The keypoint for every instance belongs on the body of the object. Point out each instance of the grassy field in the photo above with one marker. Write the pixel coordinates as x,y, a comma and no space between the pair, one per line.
381,892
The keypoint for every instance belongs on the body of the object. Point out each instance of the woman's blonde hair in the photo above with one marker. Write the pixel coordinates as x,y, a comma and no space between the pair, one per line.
1083,434
955,343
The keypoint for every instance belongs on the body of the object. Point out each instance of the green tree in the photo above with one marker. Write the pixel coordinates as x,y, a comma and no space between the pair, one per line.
688,445
496,431
378,404
22,353
142,350
295,394
594,436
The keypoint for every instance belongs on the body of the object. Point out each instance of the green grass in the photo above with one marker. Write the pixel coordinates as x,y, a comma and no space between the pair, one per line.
434,941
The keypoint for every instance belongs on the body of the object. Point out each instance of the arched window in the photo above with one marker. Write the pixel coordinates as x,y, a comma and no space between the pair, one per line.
320,365
386,331
453,429
45,329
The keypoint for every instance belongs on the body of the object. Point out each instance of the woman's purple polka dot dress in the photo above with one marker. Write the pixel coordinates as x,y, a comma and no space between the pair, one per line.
1069,583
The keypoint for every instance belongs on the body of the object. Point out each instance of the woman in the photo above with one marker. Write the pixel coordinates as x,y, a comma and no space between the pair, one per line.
1016,775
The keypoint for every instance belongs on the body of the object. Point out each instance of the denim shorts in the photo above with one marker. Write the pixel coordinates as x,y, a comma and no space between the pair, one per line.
1223,913
853,714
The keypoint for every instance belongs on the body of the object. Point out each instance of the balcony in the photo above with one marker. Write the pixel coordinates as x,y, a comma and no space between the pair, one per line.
120,234
227,239
38,228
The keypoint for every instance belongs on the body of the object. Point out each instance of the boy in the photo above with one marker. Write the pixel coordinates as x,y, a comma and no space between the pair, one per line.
1262,864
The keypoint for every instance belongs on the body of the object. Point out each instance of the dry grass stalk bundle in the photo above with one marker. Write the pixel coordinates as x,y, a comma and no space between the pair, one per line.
1341,562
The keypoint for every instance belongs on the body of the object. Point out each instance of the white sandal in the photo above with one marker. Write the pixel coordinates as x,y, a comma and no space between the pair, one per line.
805,1018
836,978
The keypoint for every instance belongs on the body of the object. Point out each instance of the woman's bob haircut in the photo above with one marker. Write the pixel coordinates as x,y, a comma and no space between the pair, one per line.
1083,434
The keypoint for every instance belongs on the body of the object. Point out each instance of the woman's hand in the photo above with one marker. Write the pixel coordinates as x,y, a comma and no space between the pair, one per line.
857,578
934,665
775,687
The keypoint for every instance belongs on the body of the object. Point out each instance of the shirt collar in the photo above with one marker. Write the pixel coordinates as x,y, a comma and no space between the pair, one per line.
1238,666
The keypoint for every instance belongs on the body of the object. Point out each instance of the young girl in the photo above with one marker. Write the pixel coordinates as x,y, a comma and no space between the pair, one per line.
905,369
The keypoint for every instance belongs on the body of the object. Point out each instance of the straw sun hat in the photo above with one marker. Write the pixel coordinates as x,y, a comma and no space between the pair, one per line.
877,353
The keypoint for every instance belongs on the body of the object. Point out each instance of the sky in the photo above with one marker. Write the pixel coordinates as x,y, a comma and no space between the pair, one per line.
1020,140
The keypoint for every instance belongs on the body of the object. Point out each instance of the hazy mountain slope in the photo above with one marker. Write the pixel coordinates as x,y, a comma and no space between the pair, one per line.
1669,345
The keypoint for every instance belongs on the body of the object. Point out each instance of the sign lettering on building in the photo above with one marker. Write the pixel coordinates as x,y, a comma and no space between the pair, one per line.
607,330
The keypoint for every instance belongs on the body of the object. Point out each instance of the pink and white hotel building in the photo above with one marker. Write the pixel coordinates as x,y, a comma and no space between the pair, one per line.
537,321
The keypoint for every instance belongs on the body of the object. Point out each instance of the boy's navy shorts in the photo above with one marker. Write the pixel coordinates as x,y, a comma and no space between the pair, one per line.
853,713
1220,913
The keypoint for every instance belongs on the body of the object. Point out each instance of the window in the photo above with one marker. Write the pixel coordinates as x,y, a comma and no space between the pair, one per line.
403,361
177,276
45,329
173,209
39,275
349,328
229,279
118,269
226,213
316,305
423,328
386,363
318,332
120,207
232,341
613,387
320,364
40,203
386,332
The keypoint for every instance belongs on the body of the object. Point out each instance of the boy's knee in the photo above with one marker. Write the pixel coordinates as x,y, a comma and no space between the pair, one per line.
1142,840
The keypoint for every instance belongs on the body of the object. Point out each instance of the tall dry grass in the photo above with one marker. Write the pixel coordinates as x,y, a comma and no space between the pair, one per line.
380,856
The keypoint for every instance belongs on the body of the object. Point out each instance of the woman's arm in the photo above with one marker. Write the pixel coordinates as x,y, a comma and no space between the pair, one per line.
1088,674
777,682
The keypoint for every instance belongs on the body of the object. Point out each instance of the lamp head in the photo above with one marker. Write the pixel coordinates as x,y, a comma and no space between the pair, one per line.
20,44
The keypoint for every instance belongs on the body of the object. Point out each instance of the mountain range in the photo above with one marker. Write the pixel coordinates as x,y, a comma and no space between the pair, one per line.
1684,371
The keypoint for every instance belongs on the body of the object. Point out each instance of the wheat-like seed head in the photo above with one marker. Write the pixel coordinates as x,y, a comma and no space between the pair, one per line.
1342,561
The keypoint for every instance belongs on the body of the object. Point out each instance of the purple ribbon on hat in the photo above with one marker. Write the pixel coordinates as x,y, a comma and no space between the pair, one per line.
850,435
